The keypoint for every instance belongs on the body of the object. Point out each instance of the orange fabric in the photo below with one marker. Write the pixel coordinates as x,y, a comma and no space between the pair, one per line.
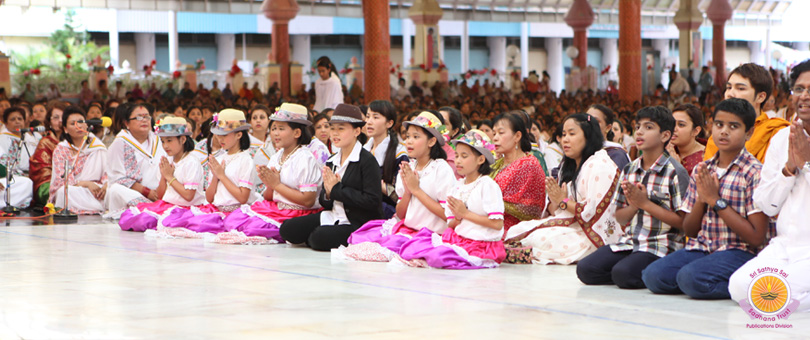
764,129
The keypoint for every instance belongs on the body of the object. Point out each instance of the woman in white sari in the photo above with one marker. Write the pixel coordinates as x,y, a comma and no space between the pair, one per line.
134,162
15,150
582,217
87,156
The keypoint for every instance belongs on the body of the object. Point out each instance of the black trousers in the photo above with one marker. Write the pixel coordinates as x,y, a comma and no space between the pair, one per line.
604,267
308,229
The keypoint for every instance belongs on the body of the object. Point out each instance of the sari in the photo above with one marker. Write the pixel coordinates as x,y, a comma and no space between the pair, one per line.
89,164
523,184
41,165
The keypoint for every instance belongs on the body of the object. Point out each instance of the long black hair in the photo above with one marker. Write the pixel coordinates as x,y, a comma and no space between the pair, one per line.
517,124
387,110
188,145
327,63
594,141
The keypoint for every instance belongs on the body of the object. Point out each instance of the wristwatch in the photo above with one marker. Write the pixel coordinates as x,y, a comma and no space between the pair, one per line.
720,204
564,204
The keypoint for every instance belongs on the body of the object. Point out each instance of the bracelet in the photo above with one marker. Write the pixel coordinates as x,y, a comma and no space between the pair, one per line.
172,180
792,173
145,192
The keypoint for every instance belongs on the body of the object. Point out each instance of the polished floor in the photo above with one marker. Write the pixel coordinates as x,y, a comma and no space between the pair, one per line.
92,281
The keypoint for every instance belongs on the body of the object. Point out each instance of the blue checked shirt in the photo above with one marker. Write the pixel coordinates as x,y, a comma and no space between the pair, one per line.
666,181
737,188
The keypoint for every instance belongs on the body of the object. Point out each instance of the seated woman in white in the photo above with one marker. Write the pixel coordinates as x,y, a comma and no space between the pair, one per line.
15,150
582,217
87,159
134,160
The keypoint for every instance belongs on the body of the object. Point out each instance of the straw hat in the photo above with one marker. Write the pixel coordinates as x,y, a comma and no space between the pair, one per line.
172,127
429,122
229,120
479,141
292,113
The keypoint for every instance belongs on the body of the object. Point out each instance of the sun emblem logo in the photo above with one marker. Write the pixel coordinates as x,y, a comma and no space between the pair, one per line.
769,294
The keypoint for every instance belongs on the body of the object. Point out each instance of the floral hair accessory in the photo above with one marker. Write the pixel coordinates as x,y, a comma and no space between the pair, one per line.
293,113
229,120
479,141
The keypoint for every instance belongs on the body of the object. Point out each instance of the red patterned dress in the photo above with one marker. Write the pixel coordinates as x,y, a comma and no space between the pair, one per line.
523,184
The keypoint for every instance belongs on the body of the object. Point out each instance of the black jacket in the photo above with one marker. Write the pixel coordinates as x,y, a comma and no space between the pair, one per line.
359,189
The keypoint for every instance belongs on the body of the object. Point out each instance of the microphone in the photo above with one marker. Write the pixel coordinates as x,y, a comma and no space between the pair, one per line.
103,121
32,129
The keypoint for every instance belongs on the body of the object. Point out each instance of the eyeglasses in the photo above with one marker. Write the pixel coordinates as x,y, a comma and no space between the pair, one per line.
140,118
80,122
798,91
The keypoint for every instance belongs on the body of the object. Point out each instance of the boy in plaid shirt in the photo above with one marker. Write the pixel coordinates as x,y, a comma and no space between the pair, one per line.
647,200
725,229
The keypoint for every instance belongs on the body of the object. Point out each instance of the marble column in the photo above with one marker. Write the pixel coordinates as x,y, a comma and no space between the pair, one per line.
226,51
688,19
144,50
554,52
174,54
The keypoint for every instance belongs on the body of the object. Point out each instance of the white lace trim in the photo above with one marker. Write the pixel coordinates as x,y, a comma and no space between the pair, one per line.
248,211
388,226
436,241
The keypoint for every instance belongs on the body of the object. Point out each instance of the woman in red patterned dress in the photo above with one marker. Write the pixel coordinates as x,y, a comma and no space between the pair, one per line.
685,145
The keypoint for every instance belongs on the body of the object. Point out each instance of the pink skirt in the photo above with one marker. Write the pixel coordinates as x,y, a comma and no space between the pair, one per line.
375,243
144,216
199,219
260,221
451,251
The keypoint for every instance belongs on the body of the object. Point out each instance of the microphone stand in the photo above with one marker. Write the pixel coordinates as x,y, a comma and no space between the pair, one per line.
65,215
9,208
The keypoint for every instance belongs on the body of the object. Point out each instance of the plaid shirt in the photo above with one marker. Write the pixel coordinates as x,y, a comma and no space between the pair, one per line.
666,181
737,188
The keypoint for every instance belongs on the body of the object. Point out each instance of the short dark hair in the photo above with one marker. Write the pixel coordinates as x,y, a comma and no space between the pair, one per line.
485,168
244,141
11,110
517,124
609,117
695,115
798,70
740,108
189,144
71,110
455,119
759,78
659,115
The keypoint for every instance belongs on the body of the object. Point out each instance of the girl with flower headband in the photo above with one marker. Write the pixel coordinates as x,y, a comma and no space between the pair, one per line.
474,214
292,181
134,161
422,187
180,178
87,156
232,181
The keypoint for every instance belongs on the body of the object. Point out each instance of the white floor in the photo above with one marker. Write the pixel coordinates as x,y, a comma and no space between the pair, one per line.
94,281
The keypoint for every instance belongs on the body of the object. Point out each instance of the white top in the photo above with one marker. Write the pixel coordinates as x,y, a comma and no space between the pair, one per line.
240,170
26,149
189,173
554,156
379,153
131,161
401,93
628,142
338,213
482,197
328,93
255,143
301,172
784,196
436,180
264,153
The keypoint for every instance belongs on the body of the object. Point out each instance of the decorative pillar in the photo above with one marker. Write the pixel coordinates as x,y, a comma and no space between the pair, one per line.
465,47
688,19
115,46
174,55
427,63
630,51
524,50
610,54
376,51
280,12
555,64
580,17
757,56
226,51
719,11
144,49
301,54
5,73
407,49
497,55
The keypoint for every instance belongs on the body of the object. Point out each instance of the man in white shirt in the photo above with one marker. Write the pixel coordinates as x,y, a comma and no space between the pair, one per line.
402,90
679,86
784,191
53,92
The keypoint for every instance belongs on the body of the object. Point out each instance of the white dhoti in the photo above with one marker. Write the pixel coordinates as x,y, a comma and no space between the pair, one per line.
795,261
80,200
21,189
119,198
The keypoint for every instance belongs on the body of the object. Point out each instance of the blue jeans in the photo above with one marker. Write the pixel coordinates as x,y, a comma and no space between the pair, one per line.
697,274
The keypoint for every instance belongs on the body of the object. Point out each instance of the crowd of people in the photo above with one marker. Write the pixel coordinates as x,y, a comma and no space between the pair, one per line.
683,192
